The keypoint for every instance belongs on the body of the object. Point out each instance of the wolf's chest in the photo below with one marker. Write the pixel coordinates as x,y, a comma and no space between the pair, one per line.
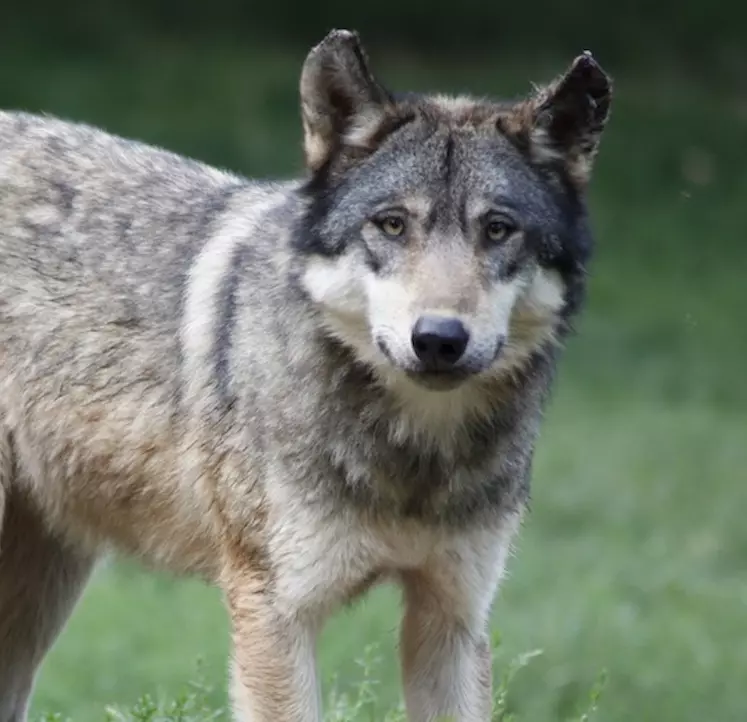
328,562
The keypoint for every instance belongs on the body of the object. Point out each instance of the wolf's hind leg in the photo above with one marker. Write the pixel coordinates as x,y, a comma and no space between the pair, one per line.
5,471
40,581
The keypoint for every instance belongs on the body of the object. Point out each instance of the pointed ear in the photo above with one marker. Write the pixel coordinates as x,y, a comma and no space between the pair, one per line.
564,121
341,102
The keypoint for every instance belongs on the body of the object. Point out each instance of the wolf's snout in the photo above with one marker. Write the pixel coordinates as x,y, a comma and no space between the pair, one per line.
439,342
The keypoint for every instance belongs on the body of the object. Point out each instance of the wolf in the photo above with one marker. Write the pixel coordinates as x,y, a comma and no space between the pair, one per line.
292,389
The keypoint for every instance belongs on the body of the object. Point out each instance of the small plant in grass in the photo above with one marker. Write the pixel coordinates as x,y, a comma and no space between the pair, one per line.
359,706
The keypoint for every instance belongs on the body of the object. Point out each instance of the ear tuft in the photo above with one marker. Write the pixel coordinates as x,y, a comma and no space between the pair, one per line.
341,102
564,121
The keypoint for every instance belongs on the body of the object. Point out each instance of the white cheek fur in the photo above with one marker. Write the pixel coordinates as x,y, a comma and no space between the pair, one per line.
338,285
546,291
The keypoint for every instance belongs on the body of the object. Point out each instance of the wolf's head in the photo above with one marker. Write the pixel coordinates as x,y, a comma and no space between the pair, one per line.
445,238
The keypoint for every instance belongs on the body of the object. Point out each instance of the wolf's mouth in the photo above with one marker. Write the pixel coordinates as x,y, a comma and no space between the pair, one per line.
439,380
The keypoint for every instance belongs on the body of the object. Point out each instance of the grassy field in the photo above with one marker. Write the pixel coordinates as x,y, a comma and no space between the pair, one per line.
633,558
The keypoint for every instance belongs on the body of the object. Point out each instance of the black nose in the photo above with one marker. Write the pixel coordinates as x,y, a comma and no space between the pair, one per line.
439,341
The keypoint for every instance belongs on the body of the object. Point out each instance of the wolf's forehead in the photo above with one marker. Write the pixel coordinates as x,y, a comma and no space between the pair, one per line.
449,166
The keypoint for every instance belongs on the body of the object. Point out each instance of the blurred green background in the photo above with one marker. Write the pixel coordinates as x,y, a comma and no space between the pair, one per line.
634,558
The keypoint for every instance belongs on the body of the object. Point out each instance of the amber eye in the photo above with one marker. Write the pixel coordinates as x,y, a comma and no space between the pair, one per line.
499,229
391,225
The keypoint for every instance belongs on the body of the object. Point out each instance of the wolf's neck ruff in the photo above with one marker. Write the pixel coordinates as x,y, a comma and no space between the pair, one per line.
452,469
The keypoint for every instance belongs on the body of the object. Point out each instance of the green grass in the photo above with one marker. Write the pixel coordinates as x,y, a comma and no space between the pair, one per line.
361,704
632,560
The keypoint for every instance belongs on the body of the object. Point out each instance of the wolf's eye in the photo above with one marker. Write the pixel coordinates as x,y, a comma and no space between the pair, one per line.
392,226
499,229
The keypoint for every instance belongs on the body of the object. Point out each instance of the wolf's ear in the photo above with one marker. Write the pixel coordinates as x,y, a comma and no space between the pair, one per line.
341,102
564,121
